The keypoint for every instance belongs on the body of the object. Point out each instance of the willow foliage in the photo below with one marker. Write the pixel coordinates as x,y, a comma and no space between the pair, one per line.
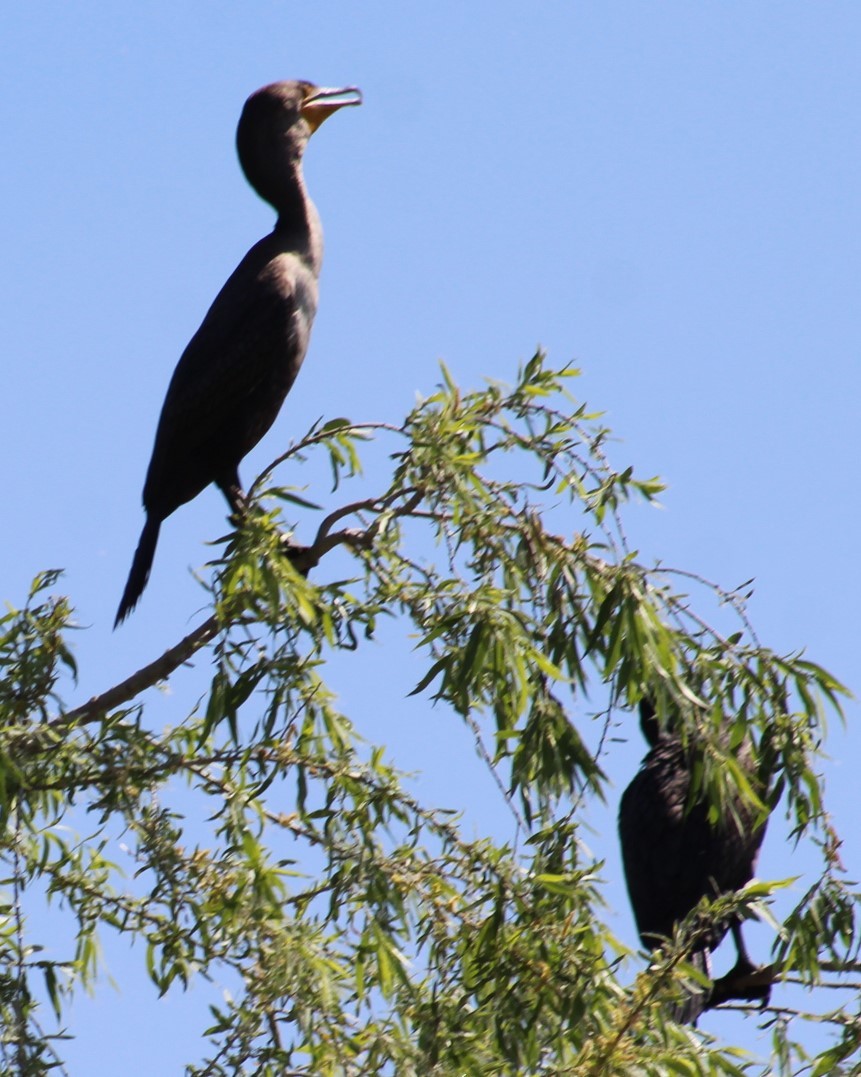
366,931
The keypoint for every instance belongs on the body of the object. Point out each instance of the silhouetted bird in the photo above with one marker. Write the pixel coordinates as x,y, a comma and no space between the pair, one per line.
232,379
674,856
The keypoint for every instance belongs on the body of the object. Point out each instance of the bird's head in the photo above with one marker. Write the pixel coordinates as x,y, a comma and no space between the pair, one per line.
649,723
275,126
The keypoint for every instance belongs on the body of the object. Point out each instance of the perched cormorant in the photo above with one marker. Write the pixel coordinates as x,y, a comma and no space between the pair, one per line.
674,856
233,376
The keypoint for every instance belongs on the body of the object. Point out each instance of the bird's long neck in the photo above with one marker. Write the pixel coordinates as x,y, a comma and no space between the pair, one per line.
298,225
298,229
287,195
278,179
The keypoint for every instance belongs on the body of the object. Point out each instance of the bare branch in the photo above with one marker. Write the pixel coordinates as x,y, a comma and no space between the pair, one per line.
146,677
305,558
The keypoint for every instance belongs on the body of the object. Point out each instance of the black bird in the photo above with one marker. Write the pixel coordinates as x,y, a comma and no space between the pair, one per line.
674,856
233,376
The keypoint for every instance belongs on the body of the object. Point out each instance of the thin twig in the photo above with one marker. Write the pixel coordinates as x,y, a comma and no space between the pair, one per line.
315,437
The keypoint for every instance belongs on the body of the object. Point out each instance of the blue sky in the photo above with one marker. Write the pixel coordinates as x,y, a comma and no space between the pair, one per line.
668,195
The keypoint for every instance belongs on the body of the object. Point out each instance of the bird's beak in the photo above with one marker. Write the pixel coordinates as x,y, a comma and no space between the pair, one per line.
321,103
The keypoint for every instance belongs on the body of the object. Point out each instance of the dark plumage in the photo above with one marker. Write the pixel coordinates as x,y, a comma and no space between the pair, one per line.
233,376
674,856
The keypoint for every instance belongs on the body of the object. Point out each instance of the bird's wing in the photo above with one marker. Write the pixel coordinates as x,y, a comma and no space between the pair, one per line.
232,378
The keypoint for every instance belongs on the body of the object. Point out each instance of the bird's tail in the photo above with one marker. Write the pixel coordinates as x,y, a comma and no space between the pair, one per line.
141,566
688,1010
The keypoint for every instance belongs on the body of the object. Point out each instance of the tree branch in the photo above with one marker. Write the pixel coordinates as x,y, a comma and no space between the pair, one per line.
146,677
303,557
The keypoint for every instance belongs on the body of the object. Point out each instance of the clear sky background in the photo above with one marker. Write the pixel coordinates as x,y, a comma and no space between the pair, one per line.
668,195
